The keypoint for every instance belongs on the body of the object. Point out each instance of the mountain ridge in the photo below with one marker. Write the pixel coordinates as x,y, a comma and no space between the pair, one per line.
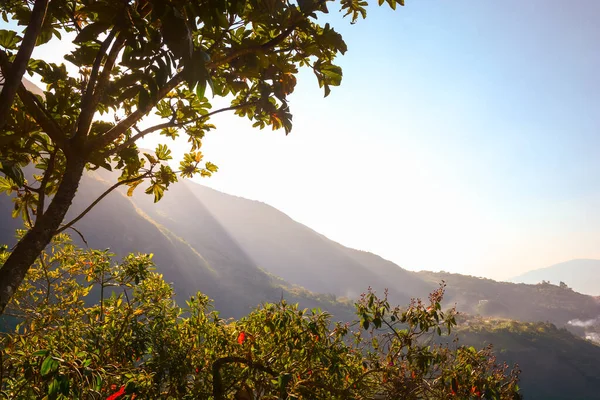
242,252
581,274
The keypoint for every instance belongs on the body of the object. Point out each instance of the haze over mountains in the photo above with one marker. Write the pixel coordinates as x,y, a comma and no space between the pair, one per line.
242,253
581,275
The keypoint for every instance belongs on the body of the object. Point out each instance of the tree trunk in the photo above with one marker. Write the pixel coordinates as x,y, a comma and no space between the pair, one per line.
35,241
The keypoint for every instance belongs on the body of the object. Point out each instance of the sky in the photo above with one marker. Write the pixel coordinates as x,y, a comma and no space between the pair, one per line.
464,138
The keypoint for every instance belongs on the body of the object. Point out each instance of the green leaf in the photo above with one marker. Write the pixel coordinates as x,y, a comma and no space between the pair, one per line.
163,153
6,185
211,167
333,74
9,39
44,37
157,190
41,353
64,384
12,171
91,32
151,158
132,187
201,89
53,388
49,365
282,382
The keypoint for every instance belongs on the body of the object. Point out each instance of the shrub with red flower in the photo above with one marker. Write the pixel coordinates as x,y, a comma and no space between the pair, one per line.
116,395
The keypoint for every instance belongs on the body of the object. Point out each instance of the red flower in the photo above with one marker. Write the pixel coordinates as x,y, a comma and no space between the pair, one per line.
116,395
241,337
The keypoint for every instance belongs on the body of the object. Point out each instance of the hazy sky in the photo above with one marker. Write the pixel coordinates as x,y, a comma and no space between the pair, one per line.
464,138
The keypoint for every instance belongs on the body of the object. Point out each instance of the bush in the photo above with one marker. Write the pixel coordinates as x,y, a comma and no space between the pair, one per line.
90,328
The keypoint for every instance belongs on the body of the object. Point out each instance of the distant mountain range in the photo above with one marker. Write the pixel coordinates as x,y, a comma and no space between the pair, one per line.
242,253
583,276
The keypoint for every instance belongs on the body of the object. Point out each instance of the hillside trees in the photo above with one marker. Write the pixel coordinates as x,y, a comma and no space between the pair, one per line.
136,342
132,58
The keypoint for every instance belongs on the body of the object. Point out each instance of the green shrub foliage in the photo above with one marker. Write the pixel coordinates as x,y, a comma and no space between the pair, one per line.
90,328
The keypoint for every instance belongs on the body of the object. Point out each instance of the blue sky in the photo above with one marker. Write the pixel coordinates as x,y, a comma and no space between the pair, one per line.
464,138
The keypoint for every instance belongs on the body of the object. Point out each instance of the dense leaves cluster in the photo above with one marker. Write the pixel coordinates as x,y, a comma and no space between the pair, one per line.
90,328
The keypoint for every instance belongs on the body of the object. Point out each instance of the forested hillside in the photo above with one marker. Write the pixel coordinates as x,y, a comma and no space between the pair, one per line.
555,364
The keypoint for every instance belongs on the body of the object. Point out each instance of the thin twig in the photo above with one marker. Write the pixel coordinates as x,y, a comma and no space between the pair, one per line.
80,235
103,195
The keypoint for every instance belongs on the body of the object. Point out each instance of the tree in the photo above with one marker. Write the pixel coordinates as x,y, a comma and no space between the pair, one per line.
134,341
132,58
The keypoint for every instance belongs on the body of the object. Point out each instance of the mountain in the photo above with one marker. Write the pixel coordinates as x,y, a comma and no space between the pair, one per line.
242,253
581,275
300,255
190,248
523,302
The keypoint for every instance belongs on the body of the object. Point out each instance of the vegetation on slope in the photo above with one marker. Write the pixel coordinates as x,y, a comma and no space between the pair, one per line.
136,342
555,364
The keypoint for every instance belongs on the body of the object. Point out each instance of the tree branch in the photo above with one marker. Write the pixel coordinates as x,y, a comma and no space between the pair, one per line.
134,117
249,50
103,195
14,75
44,183
172,124
88,95
36,109
80,235
91,100
125,124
